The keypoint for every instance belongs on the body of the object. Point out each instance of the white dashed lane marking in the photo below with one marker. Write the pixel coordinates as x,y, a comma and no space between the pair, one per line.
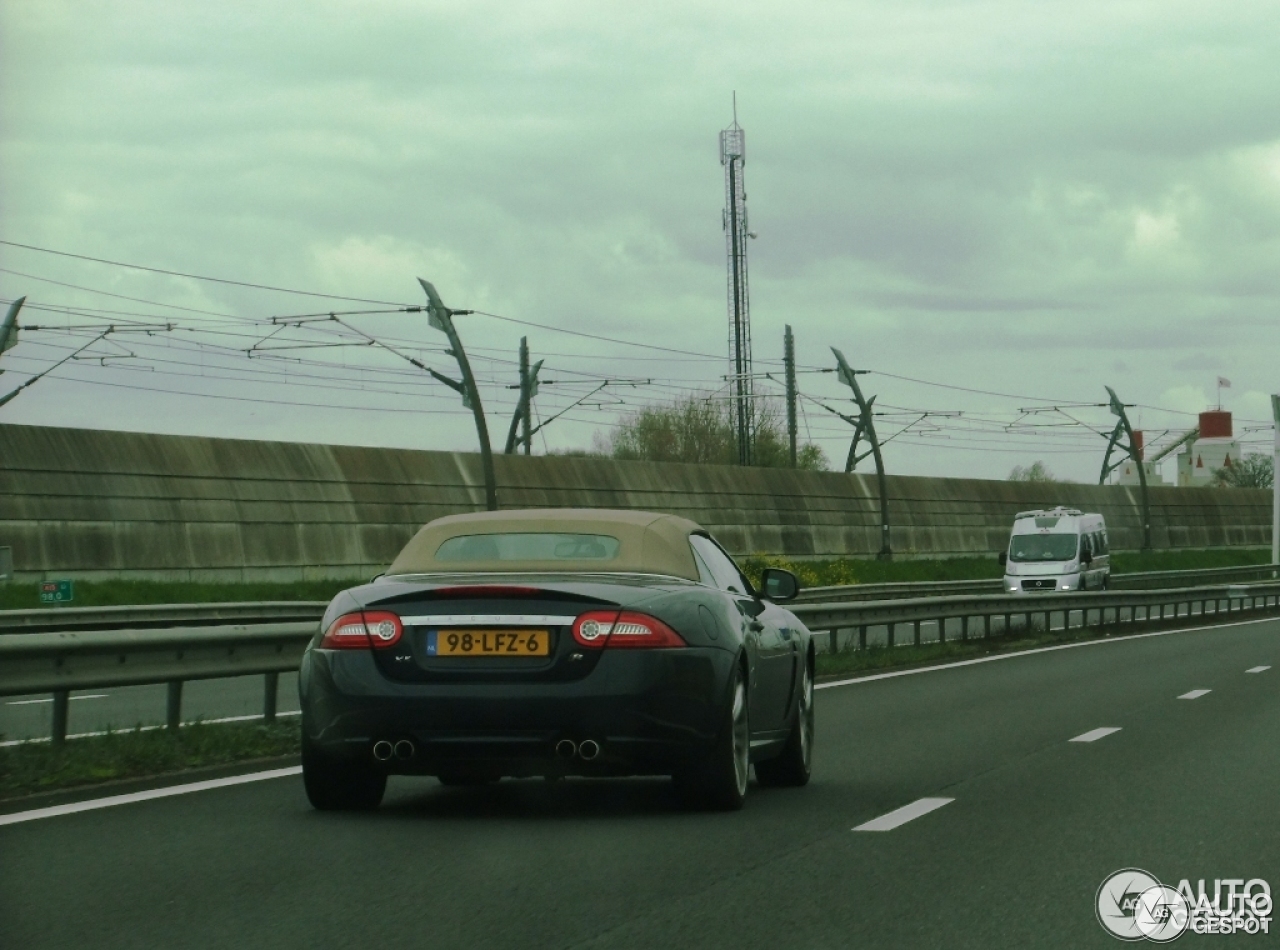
904,814
54,811
1093,735
1258,669
1195,694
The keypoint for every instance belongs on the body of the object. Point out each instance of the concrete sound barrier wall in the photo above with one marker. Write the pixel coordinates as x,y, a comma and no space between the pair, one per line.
95,504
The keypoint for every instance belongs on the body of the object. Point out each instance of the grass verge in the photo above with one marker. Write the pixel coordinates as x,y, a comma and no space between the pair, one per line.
34,767
857,571
877,658
811,573
133,593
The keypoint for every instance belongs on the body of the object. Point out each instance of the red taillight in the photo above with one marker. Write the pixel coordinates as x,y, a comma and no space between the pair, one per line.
623,630
373,628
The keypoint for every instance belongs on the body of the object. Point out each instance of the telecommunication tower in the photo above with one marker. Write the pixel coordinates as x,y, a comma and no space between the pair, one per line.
733,156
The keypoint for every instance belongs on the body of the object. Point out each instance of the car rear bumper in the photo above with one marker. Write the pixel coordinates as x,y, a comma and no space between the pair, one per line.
649,711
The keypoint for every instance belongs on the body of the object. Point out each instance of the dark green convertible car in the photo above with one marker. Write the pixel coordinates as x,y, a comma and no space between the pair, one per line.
558,642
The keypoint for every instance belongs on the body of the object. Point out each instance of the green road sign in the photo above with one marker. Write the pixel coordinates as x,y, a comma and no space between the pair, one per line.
55,592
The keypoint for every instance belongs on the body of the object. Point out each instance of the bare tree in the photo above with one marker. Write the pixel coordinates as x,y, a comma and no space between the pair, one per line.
1035,472
699,428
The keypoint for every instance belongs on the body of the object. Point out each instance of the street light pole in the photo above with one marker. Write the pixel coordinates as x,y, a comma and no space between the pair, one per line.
1275,484
441,317
8,332
1132,451
866,428
522,421
789,362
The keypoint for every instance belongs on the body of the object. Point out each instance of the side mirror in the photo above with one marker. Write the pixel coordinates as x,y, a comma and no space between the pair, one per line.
778,585
1003,558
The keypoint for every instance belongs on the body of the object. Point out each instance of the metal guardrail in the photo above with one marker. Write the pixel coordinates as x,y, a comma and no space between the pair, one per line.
1096,608
901,589
1136,580
1145,580
58,651
60,662
148,616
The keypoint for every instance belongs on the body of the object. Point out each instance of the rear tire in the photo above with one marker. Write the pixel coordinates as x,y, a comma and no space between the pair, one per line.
720,782
336,785
793,766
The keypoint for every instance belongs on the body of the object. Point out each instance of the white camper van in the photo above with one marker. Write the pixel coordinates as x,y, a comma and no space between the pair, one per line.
1060,549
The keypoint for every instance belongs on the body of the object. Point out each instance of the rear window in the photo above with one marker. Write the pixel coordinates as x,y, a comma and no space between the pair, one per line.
540,546
1042,547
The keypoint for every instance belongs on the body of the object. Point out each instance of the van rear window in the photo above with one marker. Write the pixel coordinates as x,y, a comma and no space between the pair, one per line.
1042,547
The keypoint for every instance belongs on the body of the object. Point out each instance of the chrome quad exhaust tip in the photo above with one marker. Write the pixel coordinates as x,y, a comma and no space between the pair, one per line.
383,750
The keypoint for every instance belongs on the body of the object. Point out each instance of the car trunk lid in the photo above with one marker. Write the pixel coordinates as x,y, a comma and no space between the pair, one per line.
492,630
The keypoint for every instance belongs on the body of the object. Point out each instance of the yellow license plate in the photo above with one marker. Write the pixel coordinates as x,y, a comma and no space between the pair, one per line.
473,642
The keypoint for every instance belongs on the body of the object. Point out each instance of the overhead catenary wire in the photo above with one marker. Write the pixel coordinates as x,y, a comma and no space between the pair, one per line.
201,277
213,335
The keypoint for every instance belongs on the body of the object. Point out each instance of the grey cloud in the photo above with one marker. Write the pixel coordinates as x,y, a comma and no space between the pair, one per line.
988,190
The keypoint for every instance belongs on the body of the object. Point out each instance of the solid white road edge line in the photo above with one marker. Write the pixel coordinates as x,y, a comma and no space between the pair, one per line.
194,722
1258,669
1195,694
900,816
1016,653
56,810
1093,735
49,699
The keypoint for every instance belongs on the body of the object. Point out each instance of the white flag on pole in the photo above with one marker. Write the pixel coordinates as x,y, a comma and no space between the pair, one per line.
1224,383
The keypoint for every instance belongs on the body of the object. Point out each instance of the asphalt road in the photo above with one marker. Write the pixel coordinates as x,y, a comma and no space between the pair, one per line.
30,717
1187,788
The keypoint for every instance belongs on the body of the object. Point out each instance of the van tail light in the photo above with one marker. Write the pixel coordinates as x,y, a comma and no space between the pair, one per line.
622,630
376,629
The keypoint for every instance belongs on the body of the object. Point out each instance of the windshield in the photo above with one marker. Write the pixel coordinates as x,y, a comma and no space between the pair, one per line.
1042,547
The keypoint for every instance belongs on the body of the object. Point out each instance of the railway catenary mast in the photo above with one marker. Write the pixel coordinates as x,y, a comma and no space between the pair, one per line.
733,157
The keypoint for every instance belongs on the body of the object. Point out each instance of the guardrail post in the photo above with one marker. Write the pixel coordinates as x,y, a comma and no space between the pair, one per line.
61,700
889,635
942,629
915,633
964,627
173,713
833,640
270,689
862,637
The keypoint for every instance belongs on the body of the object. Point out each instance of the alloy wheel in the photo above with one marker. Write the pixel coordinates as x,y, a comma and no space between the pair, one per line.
741,737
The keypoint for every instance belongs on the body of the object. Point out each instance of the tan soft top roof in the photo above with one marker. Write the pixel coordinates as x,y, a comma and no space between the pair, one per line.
649,543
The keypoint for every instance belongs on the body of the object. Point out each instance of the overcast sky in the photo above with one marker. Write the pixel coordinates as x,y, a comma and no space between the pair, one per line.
1032,199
